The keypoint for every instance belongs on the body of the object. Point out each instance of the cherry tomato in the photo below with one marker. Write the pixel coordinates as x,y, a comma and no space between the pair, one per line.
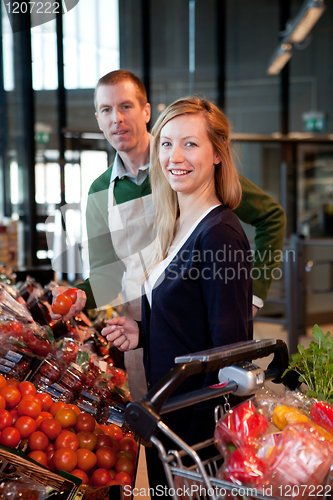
6,420
44,415
67,439
129,454
66,417
86,459
81,475
16,327
51,427
2,402
87,440
61,304
100,477
39,456
29,408
13,382
26,387
10,437
124,464
106,457
124,477
45,400
65,459
72,294
26,426
3,381
38,441
113,431
74,408
43,348
51,372
85,422
57,406
104,440
14,415
127,444
118,377
11,395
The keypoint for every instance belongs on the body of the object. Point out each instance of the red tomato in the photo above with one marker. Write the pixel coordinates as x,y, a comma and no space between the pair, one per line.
65,459
16,327
81,475
100,477
30,397
61,304
129,454
86,459
43,348
14,415
67,439
3,381
2,402
87,440
45,400
11,395
125,464
104,440
127,444
118,377
39,456
85,422
113,431
106,457
44,415
72,294
13,382
124,478
38,441
26,387
74,408
51,427
10,437
57,406
50,450
66,417
28,408
6,420
26,426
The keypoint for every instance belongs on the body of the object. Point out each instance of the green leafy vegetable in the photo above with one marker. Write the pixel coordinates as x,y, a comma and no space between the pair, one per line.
314,365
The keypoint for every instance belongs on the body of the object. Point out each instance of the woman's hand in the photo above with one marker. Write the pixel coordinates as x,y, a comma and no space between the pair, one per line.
75,309
122,332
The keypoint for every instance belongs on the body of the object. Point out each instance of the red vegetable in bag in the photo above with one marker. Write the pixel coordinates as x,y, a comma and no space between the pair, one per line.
322,413
243,466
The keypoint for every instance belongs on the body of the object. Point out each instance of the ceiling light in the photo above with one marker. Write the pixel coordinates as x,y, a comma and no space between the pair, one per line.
279,59
303,23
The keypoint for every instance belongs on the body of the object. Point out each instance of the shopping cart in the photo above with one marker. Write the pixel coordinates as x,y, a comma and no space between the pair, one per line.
237,375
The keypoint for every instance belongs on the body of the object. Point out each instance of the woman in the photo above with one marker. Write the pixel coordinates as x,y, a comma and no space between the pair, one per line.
198,289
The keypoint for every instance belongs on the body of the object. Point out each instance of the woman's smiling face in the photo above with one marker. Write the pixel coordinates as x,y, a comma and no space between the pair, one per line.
187,155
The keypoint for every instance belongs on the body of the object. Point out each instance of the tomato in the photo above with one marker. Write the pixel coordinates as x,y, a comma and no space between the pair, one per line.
26,387
2,402
81,475
104,440
67,439
29,408
114,483
6,420
129,454
3,381
52,372
118,377
72,294
115,445
100,477
16,327
127,444
125,464
50,450
43,348
38,441
11,395
61,304
39,456
65,459
51,427
44,415
66,417
74,408
113,431
106,457
14,415
86,459
57,406
87,440
13,382
26,426
10,437
30,397
85,422
124,477
45,400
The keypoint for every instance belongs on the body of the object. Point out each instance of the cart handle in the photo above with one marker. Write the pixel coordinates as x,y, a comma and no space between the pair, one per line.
143,415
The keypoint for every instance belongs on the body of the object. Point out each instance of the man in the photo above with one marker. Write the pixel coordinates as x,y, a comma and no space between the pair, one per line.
120,212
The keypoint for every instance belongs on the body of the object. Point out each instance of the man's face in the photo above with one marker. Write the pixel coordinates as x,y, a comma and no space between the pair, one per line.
120,117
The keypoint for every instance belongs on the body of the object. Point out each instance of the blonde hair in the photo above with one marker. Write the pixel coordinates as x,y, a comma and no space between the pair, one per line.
227,185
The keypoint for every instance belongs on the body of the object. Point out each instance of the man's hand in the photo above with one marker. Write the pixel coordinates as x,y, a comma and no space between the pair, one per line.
75,309
255,309
122,332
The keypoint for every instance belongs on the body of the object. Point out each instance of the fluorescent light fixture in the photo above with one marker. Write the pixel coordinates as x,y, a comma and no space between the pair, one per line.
305,20
279,59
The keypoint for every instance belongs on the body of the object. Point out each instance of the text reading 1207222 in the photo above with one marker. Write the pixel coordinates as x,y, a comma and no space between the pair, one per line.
33,7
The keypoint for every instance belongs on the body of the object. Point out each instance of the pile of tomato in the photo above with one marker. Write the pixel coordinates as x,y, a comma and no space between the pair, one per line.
58,436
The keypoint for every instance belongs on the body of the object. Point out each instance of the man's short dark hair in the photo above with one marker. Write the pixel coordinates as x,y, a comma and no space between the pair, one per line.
118,76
